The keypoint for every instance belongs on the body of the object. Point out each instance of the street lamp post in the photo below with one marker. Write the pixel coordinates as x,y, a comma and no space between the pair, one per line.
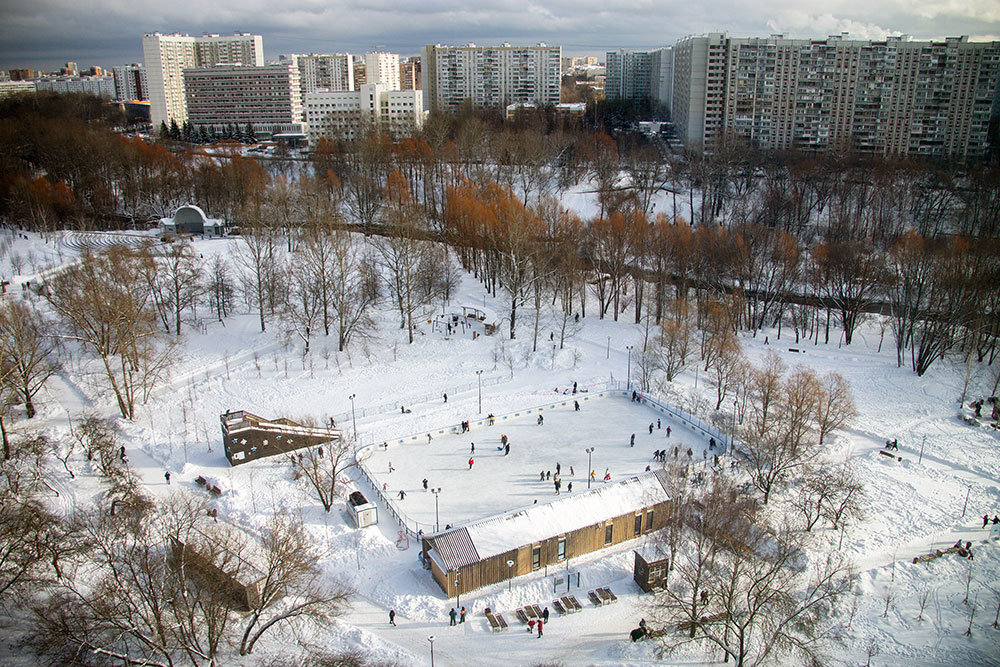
354,416
479,380
590,451
431,640
437,521
629,381
609,348
458,591
510,575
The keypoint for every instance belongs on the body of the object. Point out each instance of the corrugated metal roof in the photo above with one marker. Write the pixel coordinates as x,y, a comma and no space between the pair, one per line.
455,548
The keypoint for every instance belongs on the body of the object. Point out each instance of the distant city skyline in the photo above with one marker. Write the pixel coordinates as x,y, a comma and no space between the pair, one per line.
109,33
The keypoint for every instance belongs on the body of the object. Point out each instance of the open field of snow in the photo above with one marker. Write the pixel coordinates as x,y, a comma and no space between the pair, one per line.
914,505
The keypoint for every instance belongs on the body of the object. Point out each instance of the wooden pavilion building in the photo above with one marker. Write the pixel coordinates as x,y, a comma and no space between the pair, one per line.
477,554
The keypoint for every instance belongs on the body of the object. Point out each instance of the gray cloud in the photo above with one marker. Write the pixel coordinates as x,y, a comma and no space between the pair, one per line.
45,33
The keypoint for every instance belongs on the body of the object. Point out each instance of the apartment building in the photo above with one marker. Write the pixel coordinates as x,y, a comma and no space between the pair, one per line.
490,76
323,71
167,56
16,87
409,74
350,115
893,97
101,86
268,97
382,68
130,82
628,75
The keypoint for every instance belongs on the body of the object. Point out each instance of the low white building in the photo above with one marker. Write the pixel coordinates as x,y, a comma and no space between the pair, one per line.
190,219
100,86
348,115
15,87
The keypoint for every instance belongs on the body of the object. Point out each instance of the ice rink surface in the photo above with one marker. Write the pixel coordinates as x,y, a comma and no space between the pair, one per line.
497,483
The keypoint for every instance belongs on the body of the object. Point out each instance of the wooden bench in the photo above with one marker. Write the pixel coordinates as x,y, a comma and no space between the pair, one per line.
521,616
595,599
572,603
538,611
560,609
501,620
607,595
494,624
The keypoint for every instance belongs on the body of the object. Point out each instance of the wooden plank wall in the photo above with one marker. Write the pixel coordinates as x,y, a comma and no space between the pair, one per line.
582,541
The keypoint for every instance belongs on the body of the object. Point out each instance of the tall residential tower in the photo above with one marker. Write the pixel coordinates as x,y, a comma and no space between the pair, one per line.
490,76
167,56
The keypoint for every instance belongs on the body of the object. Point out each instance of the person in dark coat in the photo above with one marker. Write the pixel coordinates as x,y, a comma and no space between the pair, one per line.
461,617
651,428
425,483
506,449
986,519
545,614
392,617
452,614
569,487
576,406
166,476
631,442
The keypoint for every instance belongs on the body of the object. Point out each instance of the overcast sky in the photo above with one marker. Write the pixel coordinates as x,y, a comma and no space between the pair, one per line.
45,33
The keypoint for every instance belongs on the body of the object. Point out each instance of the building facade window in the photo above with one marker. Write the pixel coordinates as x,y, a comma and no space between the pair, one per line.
561,549
608,534
638,524
536,558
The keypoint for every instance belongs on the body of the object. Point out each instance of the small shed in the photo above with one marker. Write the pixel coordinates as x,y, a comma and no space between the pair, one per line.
652,564
363,512
226,560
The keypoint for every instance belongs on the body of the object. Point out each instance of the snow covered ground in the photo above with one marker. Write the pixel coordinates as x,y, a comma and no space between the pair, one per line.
914,506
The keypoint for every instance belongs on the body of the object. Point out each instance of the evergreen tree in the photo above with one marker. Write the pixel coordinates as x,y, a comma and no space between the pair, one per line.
188,131
203,137
175,132
164,132
249,135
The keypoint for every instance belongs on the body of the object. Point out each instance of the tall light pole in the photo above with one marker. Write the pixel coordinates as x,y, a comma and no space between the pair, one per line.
732,435
479,380
437,522
510,565
458,591
628,384
609,348
431,640
590,451
354,415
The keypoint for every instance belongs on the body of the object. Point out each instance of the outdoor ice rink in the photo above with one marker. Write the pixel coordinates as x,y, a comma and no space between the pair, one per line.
497,483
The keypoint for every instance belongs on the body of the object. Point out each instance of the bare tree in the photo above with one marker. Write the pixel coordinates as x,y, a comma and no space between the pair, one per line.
27,351
834,404
109,312
321,468
220,286
676,338
291,586
259,260
182,271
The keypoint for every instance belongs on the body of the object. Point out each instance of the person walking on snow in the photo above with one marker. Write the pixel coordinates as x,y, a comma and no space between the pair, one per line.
166,476
461,618
446,398
576,406
569,488
506,449
541,476
631,442
392,617
539,628
558,468
452,614
657,423
668,431
471,461
402,494
541,420
556,484
473,449
425,483
651,428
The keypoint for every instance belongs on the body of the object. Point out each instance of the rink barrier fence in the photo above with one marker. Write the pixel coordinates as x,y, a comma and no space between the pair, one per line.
414,528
